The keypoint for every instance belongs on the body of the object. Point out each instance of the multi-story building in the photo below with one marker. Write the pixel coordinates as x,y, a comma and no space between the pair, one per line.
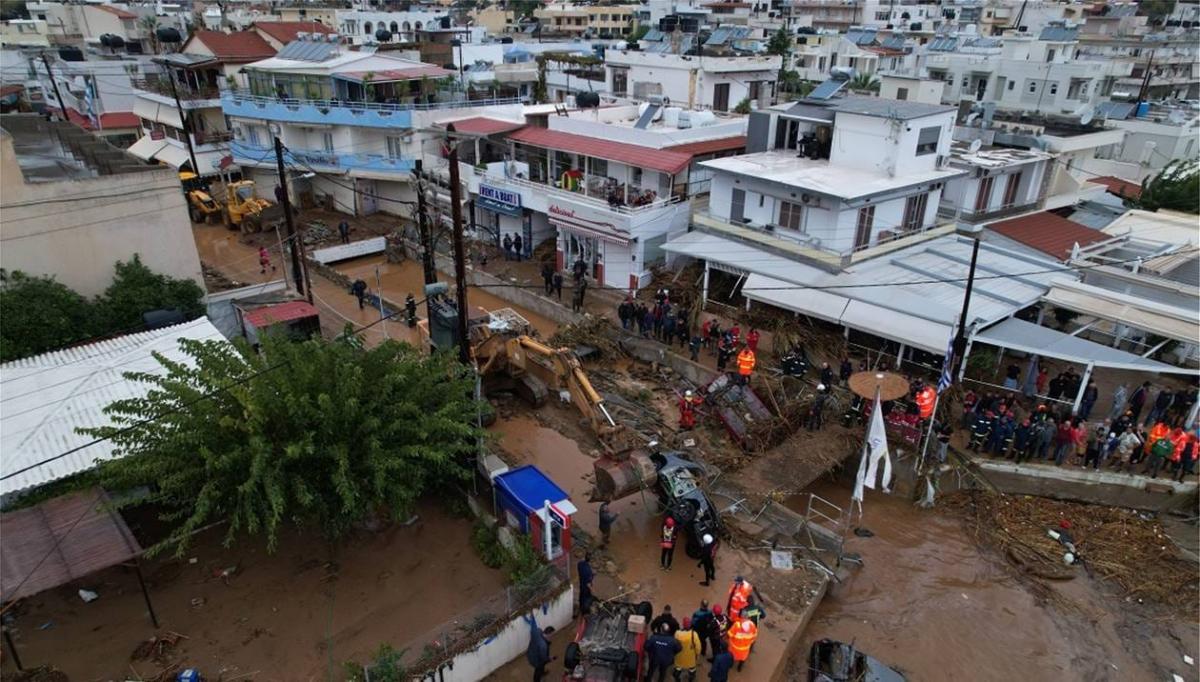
209,62
592,21
609,185
1021,73
74,205
359,27
134,25
1155,135
1166,63
354,123
692,81
18,33
861,48
837,15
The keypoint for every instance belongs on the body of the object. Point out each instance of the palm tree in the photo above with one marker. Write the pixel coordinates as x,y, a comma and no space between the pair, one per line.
149,24
864,82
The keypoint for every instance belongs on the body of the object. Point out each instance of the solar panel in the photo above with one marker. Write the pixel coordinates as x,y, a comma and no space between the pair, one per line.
308,51
894,42
654,35
647,115
828,89
1115,110
944,44
720,36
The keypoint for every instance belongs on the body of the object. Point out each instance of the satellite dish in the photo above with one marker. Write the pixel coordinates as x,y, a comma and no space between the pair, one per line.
1086,113
971,117
974,146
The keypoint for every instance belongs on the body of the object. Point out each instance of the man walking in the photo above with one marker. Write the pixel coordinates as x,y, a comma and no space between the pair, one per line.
660,652
694,347
702,622
344,231
741,640
607,519
517,244
508,244
708,558
359,289
557,282
689,652
538,652
667,544
264,260
548,278
586,576
578,296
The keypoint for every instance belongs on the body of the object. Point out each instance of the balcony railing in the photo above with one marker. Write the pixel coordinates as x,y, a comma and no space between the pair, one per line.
240,96
974,216
185,90
212,138
244,153
622,206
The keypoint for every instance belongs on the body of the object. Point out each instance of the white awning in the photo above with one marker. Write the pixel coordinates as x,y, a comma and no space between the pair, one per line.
158,112
173,156
1156,318
146,148
914,331
1015,334
812,302
209,161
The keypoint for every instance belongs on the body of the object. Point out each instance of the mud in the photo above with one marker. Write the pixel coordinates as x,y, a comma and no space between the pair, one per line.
294,615
930,602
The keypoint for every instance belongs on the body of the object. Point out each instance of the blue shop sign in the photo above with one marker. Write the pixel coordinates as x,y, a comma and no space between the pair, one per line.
500,200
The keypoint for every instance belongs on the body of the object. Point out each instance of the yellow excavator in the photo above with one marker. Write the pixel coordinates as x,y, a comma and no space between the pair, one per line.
245,211
202,207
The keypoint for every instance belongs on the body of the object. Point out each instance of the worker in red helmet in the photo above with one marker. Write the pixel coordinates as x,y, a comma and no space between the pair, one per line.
667,543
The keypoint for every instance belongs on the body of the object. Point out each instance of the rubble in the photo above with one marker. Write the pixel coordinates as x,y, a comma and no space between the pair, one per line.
593,332
1118,545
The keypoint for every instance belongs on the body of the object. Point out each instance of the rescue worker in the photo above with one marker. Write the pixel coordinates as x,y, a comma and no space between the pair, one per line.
667,544
667,619
716,632
754,612
702,623
752,340
745,364
708,558
687,409
1021,438
816,409
722,663
660,649
741,640
1159,452
741,595
723,353
981,429
1186,456
689,652
1001,436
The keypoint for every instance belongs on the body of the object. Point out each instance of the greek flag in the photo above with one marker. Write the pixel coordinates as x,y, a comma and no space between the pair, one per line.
947,377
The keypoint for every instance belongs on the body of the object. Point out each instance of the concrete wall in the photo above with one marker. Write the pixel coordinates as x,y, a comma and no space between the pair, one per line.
93,223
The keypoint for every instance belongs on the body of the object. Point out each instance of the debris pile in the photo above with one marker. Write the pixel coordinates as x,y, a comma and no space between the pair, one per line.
317,232
1120,545
592,332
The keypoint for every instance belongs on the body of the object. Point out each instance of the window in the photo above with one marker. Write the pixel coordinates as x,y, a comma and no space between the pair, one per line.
395,148
599,167
327,140
755,87
984,198
1050,55
902,93
862,233
1054,88
914,212
1032,87
1012,84
366,28
966,80
1010,189
927,140
252,132
789,215
883,16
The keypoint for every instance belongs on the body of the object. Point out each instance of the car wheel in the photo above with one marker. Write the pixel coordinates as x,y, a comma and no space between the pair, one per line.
572,655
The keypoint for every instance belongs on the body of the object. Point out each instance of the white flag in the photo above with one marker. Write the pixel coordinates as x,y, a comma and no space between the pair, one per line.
858,479
878,448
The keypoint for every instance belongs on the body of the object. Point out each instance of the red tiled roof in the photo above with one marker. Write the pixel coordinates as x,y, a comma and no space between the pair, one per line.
238,46
721,144
114,119
1046,232
282,312
482,125
6,90
121,13
1119,187
662,160
285,31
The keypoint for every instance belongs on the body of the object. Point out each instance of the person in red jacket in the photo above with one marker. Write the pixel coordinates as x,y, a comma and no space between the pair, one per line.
667,543
752,340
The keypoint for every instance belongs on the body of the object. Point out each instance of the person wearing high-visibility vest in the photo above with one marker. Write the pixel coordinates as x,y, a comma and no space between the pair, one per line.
741,595
741,639
745,364
925,398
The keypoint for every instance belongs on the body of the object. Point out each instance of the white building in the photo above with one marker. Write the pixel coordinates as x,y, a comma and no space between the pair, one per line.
609,187
360,27
354,123
863,49
692,81
1159,135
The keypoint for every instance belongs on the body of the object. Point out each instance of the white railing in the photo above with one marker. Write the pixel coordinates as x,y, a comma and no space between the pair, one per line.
579,196
245,96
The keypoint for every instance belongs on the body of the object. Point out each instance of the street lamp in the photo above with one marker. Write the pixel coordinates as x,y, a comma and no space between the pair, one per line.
975,233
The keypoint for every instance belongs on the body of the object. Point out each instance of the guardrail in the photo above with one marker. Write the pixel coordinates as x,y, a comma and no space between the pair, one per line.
246,96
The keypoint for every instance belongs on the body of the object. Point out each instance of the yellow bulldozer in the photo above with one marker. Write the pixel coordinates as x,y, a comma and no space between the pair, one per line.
246,212
202,208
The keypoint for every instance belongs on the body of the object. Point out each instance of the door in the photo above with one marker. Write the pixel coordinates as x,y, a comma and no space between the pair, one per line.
984,198
721,97
862,233
1010,190
737,206
368,203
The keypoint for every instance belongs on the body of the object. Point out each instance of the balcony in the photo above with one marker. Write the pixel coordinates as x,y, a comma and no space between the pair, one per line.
189,97
340,112
319,160
636,202
951,212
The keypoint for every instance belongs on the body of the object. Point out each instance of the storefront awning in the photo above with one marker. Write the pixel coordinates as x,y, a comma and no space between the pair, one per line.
146,148
173,156
1156,318
1019,335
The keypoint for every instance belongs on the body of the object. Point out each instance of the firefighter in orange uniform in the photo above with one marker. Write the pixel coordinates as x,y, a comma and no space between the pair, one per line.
741,595
687,409
925,398
741,639
745,364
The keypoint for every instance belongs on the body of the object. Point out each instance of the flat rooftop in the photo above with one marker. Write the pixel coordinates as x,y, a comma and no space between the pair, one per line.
995,157
819,176
56,151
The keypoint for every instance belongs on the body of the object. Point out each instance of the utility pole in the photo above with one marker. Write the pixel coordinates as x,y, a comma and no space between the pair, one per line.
187,127
960,337
287,216
460,256
61,107
423,233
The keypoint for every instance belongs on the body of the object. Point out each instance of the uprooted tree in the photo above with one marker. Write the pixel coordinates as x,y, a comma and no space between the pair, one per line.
317,434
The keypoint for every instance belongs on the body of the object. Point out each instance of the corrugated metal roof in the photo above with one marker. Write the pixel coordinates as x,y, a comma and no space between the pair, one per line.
1019,335
279,312
887,108
635,155
1118,187
721,144
47,397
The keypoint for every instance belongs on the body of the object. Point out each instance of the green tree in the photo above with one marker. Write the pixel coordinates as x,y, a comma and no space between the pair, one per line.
39,314
864,82
319,434
743,107
1156,10
780,44
137,289
1175,188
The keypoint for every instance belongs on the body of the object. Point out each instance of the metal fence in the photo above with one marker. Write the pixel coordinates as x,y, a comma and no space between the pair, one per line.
485,618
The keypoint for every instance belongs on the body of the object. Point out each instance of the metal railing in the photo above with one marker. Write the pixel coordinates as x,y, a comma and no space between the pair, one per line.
185,90
1002,211
579,197
246,96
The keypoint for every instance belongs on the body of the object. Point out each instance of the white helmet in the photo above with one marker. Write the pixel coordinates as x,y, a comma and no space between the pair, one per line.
687,394
708,539
746,625
820,387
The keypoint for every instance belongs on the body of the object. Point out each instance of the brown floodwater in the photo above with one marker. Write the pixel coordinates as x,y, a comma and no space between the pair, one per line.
931,603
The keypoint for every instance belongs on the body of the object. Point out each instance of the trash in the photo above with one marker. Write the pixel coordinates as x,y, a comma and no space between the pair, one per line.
781,560
863,532
88,596
1189,660
1176,678
47,625
193,560
197,602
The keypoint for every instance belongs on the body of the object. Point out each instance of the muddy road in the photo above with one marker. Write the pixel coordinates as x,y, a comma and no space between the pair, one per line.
930,602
